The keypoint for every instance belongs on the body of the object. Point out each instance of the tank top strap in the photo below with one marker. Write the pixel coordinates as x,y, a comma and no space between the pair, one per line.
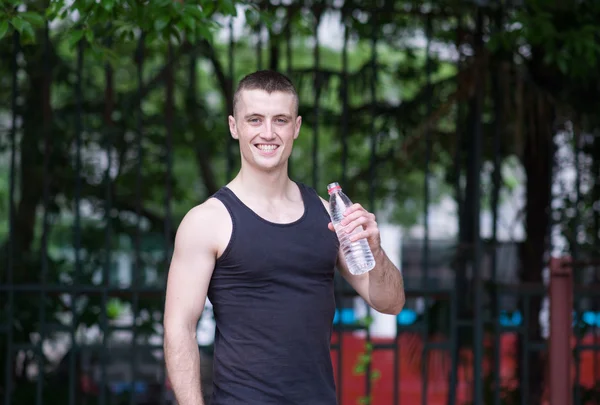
313,200
231,203
228,199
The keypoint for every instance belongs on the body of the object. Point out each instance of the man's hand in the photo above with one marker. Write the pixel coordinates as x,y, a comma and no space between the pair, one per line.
355,217
383,287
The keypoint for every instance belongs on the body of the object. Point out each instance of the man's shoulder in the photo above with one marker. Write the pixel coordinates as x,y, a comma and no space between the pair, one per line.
211,214
212,210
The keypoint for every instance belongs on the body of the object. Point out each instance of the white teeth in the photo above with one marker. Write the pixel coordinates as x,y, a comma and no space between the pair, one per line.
267,148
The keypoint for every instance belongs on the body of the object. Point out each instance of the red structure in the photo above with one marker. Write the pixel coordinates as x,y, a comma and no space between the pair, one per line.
561,309
559,377
409,376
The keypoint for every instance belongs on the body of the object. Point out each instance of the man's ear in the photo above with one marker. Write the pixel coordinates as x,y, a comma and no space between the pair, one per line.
232,127
298,125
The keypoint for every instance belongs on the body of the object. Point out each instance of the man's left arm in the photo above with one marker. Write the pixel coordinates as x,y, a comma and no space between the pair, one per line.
382,287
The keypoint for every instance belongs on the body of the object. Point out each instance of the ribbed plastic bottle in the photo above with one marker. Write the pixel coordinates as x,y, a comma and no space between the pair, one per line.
358,254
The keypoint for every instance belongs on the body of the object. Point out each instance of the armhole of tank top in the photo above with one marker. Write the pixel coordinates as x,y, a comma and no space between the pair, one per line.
233,226
320,202
325,212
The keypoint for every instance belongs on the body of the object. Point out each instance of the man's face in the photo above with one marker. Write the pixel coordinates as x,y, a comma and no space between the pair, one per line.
266,126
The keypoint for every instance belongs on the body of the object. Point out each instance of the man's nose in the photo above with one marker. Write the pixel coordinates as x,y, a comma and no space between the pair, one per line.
268,133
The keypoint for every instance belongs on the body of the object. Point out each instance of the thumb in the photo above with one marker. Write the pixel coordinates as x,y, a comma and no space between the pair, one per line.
330,226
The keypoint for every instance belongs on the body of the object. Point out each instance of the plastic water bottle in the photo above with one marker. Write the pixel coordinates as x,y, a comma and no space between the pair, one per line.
358,254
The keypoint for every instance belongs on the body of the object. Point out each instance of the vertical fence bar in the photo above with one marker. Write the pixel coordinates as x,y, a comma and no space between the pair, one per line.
426,198
47,128
317,84
259,61
344,95
77,225
454,308
11,223
476,264
288,45
170,90
553,168
231,67
344,139
454,346
575,255
596,242
288,68
496,184
373,137
561,304
496,181
108,142
524,384
137,239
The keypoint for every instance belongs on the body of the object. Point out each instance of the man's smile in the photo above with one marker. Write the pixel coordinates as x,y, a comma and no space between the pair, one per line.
266,148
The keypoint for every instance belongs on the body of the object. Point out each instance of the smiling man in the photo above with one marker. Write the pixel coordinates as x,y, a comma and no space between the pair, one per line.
263,250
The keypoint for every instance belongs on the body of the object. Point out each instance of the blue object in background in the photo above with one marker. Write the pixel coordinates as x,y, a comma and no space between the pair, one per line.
406,317
124,387
347,315
507,319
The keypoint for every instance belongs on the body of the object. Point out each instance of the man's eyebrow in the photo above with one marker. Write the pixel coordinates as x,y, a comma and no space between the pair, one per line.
288,116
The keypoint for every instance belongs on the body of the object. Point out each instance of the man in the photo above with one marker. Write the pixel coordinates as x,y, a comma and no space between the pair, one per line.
264,252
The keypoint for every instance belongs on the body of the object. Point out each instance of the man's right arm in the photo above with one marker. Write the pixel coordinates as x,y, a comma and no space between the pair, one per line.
191,268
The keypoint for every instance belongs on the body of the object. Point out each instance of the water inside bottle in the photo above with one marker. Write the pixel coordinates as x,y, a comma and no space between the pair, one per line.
358,255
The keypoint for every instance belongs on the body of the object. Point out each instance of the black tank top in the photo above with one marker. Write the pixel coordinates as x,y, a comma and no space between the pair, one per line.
273,301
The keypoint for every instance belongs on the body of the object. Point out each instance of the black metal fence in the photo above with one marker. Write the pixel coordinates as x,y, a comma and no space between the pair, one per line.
103,224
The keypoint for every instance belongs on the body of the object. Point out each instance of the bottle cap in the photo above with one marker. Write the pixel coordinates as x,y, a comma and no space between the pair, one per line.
331,187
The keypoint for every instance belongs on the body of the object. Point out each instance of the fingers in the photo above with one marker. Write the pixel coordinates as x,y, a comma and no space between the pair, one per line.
366,234
359,222
354,212
353,208
355,217
360,219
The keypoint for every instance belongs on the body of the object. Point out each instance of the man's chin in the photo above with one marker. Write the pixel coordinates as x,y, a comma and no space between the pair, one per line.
269,166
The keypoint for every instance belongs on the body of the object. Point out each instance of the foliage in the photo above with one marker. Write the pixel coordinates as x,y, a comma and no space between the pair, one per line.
122,20
567,34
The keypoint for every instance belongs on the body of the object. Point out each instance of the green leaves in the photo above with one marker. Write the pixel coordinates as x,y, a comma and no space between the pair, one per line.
160,20
567,36
229,7
3,28
34,19
25,23
365,359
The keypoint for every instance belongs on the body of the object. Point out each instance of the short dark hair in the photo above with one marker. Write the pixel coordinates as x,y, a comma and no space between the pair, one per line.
267,80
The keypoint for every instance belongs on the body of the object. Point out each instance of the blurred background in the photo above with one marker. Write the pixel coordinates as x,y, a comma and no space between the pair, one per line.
470,127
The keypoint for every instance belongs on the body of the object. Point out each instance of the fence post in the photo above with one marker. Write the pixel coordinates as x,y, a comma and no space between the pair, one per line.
561,309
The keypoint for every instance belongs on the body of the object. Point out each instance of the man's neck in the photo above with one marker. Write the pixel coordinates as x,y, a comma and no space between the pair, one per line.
255,183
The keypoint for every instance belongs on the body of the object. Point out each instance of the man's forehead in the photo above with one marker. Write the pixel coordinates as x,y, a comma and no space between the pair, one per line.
258,94
276,102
